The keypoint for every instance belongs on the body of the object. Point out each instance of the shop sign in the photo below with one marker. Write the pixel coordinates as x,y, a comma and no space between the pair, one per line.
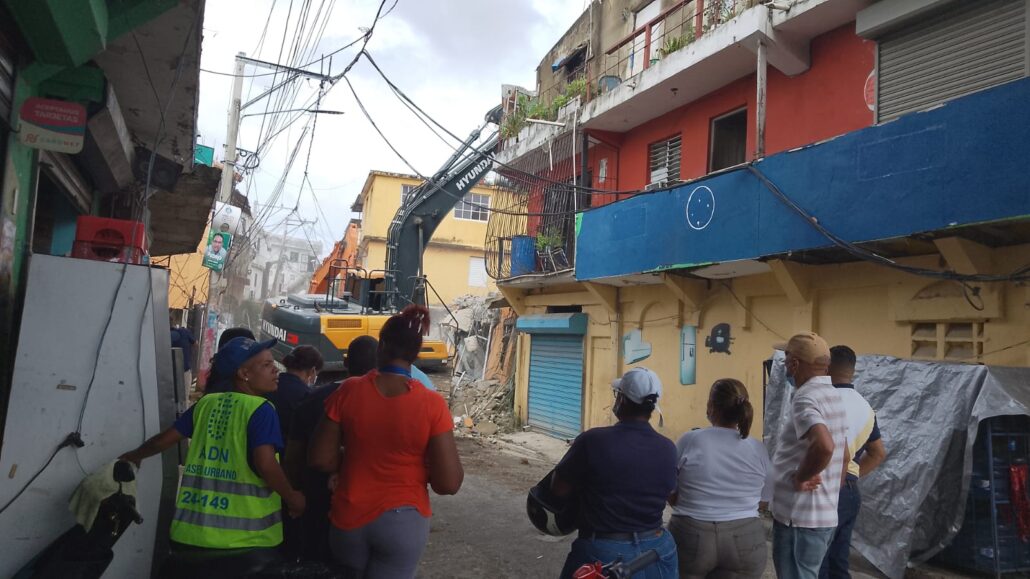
52,125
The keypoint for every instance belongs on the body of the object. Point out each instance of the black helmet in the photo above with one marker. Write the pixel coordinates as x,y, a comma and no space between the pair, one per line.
549,514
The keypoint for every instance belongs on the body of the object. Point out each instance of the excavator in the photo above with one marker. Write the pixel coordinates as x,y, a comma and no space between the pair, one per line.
358,301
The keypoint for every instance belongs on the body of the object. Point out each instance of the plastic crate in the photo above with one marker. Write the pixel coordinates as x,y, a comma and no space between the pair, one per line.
989,540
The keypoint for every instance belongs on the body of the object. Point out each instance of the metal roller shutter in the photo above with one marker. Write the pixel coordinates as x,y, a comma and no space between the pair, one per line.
556,384
975,46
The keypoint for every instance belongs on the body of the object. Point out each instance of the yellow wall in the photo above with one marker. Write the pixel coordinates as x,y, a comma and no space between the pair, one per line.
446,267
382,199
446,260
185,273
868,307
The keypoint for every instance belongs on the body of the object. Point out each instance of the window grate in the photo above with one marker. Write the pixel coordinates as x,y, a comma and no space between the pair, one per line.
664,159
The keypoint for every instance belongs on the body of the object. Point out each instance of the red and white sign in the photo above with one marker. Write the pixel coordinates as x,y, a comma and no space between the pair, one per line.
52,125
869,91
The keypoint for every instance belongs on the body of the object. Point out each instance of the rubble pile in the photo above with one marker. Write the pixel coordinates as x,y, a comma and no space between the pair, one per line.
485,407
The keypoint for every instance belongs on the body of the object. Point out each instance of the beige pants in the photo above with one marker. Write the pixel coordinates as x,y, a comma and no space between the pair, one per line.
730,550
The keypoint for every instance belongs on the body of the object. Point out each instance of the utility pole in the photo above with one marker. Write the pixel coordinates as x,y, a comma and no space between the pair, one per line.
216,282
232,131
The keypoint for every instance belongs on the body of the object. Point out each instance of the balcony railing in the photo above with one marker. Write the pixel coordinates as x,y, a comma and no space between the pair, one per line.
675,28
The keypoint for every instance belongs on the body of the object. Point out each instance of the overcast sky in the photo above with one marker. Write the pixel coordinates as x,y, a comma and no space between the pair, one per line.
450,56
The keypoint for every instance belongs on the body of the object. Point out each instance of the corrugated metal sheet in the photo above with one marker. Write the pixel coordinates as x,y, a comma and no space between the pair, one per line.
973,47
556,384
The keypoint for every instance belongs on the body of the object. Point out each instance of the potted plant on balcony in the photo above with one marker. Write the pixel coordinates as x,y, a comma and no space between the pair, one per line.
550,250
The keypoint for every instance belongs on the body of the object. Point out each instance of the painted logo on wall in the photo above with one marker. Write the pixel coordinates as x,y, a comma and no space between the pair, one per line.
700,208
718,342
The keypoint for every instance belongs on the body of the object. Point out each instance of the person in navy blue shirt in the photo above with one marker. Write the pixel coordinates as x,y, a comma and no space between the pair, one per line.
313,537
302,367
183,339
217,381
622,476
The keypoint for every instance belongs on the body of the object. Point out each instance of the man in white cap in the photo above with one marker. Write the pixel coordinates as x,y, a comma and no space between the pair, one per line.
622,475
810,461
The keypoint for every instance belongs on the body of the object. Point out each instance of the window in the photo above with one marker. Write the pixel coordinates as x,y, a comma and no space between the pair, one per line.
728,141
477,272
664,159
406,194
958,341
311,264
294,257
473,207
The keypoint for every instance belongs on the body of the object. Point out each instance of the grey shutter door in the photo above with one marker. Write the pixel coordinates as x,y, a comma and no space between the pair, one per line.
977,45
556,384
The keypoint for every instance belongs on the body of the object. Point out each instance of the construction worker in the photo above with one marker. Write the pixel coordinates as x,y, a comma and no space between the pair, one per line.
232,487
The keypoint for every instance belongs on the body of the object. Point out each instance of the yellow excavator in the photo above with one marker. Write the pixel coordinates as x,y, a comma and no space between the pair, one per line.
357,302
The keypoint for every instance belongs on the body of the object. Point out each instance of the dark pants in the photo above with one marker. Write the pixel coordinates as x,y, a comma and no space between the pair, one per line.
835,565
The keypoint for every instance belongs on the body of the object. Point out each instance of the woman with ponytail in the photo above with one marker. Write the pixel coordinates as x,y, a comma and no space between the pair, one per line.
723,478
387,437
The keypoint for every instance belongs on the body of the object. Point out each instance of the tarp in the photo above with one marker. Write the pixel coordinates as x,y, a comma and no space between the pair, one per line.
928,414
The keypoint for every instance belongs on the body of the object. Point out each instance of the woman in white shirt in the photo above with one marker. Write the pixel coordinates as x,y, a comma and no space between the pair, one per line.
723,476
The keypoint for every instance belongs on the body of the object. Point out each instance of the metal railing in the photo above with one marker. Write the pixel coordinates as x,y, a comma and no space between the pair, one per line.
673,29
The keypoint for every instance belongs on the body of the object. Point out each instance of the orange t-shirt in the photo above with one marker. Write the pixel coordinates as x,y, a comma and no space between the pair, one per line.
384,442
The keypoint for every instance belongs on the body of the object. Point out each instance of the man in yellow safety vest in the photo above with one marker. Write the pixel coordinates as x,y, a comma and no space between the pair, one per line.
232,488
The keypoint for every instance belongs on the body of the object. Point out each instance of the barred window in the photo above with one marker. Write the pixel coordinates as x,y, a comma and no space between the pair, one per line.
473,207
664,159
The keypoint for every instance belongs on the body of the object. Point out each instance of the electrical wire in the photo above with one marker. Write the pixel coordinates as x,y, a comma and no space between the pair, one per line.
372,122
579,188
1021,274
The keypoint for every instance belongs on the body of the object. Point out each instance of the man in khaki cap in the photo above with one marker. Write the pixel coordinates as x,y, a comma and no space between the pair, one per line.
810,461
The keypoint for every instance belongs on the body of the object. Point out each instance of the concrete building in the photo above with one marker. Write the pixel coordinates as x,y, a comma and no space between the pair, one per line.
755,157
283,265
454,259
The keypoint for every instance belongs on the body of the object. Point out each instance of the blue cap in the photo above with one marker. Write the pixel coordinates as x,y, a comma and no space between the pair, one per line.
236,353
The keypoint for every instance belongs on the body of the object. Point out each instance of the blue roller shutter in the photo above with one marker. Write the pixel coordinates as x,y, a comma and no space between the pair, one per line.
556,384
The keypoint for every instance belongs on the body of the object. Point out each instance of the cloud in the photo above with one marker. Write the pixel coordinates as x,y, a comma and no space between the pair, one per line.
450,56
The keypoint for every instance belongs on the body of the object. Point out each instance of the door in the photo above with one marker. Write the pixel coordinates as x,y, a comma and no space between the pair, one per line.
556,384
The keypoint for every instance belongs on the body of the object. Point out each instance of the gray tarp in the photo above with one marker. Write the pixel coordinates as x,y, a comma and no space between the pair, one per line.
928,413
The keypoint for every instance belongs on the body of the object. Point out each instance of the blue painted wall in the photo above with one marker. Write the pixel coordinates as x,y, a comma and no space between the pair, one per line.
965,162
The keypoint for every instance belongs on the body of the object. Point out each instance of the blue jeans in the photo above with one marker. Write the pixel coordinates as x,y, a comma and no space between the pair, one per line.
586,550
835,565
798,552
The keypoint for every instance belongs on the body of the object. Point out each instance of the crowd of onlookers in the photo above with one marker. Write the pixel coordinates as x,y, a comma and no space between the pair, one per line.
356,458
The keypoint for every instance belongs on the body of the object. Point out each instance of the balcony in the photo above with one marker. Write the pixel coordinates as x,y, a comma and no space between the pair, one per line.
955,169
688,51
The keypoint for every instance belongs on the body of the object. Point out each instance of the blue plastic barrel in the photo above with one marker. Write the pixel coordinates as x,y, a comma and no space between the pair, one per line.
523,255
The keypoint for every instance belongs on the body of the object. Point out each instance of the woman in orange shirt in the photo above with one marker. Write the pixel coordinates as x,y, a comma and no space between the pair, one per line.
396,437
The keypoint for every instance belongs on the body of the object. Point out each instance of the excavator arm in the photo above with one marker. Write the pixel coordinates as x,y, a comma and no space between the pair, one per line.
416,221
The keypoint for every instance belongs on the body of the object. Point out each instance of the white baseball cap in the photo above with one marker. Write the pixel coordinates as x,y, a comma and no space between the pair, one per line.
638,384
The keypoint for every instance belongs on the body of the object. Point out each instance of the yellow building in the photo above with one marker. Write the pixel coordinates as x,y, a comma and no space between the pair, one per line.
187,278
454,260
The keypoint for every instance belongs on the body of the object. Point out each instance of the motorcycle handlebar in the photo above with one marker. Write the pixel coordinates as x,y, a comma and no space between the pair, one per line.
640,563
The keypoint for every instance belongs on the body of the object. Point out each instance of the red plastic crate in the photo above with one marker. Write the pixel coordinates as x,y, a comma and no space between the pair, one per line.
103,239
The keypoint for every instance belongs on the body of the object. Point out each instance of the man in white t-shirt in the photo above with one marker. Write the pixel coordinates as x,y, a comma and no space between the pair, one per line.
867,453
810,462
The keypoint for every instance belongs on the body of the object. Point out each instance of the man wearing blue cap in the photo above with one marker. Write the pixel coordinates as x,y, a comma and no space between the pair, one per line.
232,487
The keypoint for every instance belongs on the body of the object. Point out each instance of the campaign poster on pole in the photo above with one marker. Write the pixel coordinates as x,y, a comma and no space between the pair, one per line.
218,244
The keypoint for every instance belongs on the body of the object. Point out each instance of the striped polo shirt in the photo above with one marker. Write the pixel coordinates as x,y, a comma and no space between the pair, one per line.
815,402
